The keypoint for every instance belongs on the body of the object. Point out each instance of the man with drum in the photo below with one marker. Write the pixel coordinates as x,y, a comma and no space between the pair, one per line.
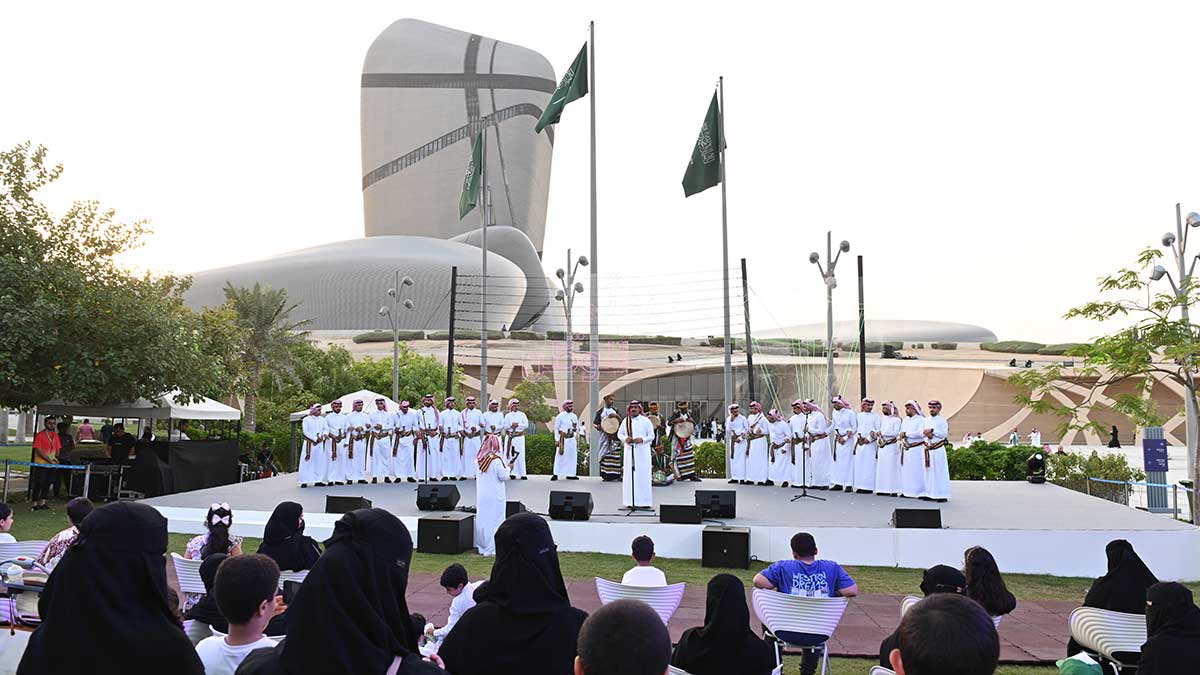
607,421
683,452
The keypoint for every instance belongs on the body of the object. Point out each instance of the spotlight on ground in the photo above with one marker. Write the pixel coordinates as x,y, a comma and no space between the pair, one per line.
1035,468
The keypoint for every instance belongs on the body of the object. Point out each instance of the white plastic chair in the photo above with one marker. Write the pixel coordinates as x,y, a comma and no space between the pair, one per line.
817,618
1104,633
663,599
16,549
188,572
672,670
996,621
196,631
907,604
292,576
880,670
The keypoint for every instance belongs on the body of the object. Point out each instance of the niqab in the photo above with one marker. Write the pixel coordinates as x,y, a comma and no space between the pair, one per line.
284,540
1173,631
206,610
724,644
1123,587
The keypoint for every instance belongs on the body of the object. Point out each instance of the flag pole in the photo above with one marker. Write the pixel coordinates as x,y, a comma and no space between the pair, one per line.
484,210
594,338
725,255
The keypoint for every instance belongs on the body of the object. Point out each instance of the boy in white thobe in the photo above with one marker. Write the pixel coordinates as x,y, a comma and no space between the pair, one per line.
736,443
336,423
937,472
912,462
845,436
781,449
887,461
357,458
515,425
407,423
429,462
313,456
821,461
758,460
472,436
566,431
383,423
867,438
636,434
451,430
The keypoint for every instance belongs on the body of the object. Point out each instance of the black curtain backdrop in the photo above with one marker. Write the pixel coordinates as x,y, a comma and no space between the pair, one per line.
203,464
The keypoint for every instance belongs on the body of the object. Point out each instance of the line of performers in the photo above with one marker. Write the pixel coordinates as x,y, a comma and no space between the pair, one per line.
855,452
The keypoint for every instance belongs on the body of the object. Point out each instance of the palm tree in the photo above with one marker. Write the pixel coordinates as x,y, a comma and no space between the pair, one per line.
265,315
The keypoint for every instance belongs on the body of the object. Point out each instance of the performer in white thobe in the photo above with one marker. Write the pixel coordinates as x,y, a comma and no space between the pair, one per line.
887,461
912,462
821,461
357,422
313,455
566,433
337,426
407,424
736,443
636,434
800,450
758,454
450,441
866,447
490,494
493,419
937,467
844,425
781,446
472,436
429,462
383,424
515,425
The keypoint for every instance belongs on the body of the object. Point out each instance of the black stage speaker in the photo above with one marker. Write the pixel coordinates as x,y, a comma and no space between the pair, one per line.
513,508
917,518
345,504
452,532
437,497
889,352
680,513
717,503
725,547
570,505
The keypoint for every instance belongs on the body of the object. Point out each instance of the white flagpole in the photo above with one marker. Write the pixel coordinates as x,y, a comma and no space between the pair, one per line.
594,338
725,255
485,198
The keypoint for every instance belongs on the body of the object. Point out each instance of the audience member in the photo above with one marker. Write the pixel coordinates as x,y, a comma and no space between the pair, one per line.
644,574
65,456
205,610
284,540
245,590
106,430
625,637
725,643
46,447
85,431
217,521
523,622
120,444
946,634
1172,631
77,509
179,433
6,522
105,608
937,579
350,615
984,583
462,593
1122,588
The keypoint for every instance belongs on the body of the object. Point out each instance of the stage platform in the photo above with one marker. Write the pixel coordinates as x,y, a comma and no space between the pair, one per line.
1030,528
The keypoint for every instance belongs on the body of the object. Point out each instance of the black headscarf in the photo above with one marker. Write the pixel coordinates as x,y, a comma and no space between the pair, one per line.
206,610
724,644
105,607
523,622
284,540
1173,631
1123,587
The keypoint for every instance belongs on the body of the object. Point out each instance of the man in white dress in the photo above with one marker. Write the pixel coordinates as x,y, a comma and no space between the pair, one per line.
1035,438
566,433
493,419
736,430
472,436
336,423
866,447
358,423
407,424
758,454
937,467
314,457
515,425
887,461
383,423
781,445
490,493
429,462
845,435
821,461
912,462
800,450
450,430
636,434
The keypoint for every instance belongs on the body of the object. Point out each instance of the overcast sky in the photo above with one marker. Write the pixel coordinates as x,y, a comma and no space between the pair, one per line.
988,161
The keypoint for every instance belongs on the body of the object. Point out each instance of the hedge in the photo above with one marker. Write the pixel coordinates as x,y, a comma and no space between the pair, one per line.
943,345
995,461
386,336
1059,349
1012,347
539,455
526,335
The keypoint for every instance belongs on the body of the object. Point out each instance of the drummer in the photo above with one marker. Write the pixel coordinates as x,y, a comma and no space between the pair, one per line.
683,452
659,428
610,447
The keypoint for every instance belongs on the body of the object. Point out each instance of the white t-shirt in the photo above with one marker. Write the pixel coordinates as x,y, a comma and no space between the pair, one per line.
644,576
221,659
6,538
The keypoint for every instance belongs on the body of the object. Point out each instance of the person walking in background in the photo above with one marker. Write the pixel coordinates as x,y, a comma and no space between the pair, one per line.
1035,438
46,446
1113,441
1014,438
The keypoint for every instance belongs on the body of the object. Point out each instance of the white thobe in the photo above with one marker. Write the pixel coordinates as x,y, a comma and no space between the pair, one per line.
452,455
429,463
404,463
867,437
336,469
802,460
887,462
472,424
758,459
516,421
566,426
458,606
382,422
635,485
937,474
356,467
313,452
1035,439
735,443
781,467
912,464
490,502
844,423
821,462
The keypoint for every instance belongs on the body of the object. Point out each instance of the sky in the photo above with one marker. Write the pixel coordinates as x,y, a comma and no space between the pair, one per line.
989,161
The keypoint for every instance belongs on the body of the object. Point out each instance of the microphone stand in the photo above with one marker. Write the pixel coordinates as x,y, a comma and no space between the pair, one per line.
804,477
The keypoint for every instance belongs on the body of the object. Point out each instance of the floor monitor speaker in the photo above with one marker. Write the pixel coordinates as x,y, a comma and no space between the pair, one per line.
917,518
345,504
717,503
513,508
451,532
725,547
437,497
570,505
689,514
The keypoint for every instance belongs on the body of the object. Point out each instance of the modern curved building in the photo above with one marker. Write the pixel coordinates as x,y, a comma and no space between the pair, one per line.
887,330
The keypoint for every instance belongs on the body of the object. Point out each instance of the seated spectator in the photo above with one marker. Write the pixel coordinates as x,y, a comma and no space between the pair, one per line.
284,540
205,609
1172,631
77,509
946,633
462,593
625,637
350,615
644,574
6,523
523,621
937,579
217,540
115,577
245,590
725,643
1122,588
984,583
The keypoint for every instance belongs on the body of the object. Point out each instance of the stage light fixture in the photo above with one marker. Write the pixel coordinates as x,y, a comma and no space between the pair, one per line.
1035,468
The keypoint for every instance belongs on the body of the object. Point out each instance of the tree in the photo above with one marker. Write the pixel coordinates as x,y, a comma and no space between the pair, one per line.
264,314
78,325
532,393
1158,344
418,375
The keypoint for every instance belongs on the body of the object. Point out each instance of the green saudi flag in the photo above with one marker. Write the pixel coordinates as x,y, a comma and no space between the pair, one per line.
574,85
704,171
470,188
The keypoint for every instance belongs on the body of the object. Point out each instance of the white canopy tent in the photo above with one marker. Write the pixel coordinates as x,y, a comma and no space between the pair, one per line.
163,407
368,398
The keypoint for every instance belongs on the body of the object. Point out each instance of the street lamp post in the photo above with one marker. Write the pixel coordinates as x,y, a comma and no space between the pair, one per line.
390,312
827,274
567,297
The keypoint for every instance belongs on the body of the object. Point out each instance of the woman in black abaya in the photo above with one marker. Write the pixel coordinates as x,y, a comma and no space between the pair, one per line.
1173,631
105,608
724,645
284,540
1123,586
522,623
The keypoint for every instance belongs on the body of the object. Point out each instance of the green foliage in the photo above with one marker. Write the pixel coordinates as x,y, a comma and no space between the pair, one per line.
613,337
532,393
462,334
710,459
1061,349
1073,470
264,315
277,441
418,375
1012,347
386,336
539,455
943,345
526,335
988,461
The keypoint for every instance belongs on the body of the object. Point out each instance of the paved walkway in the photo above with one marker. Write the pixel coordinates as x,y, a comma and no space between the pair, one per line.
1035,633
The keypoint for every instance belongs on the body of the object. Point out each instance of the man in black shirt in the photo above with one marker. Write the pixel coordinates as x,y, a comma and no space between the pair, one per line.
121,444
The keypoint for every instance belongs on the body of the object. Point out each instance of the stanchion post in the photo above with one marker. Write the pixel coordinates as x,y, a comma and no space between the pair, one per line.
87,479
6,476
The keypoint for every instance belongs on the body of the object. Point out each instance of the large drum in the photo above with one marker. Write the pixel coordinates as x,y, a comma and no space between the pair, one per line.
684,429
610,425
